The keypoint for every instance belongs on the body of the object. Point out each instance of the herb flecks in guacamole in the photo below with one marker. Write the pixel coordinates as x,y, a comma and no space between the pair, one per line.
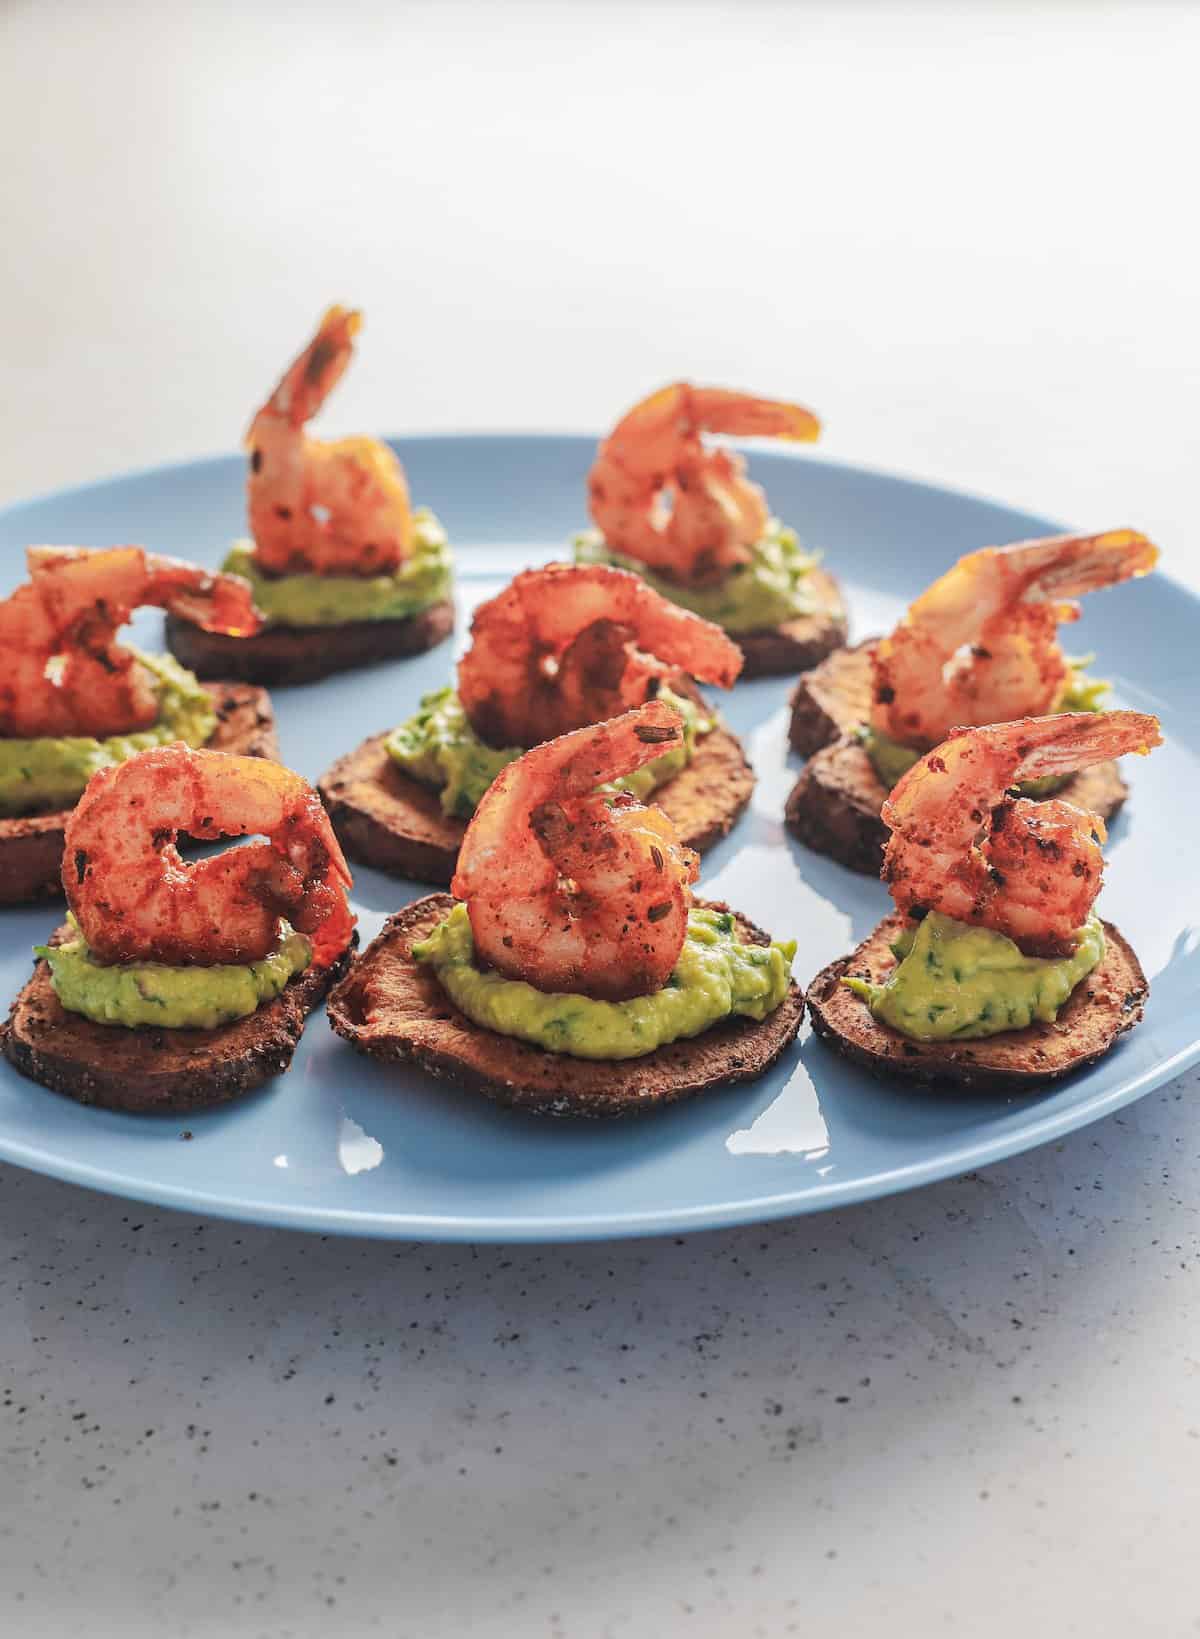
41,776
335,600
1080,693
173,998
438,746
769,589
953,982
715,978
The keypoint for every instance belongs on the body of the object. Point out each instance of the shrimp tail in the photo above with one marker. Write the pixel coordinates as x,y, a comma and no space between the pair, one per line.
720,410
313,373
1067,566
1073,740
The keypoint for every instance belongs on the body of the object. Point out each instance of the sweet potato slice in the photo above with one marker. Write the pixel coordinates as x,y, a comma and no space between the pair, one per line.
797,644
1101,1008
386,819
393,1008
284,655
154,1070
832,699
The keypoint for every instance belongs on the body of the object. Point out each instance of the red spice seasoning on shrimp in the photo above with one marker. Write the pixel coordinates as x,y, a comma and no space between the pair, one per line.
683,514
575,932
345,569
559,648
177,984
994,969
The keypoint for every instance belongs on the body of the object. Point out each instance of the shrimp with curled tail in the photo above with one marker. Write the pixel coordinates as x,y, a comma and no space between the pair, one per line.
569,645
980,645
964,845
64,673
324,508
572,889
658,494
135,899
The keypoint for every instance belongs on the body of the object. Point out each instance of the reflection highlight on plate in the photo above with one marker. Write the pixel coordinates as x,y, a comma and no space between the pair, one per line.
791,1124
357,1151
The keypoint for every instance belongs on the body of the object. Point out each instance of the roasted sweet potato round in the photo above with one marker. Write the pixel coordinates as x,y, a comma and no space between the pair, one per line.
386,819
1102,1008
151,1070
795,645
285,655
392,1008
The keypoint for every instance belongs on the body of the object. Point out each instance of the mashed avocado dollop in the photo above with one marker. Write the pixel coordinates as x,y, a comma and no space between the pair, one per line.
40,776
173,998
335,600
766,591
954,981
438,746
1080,693
715,977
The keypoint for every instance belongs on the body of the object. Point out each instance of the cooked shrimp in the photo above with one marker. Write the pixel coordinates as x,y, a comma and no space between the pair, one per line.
963,844
330,508
569,645
980,645
658,494
571,889
64,672
136,900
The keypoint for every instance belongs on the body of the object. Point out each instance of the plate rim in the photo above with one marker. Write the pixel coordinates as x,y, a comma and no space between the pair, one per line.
551,1228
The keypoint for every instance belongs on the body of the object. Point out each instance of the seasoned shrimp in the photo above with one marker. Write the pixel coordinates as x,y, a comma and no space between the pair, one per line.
963,844
569,645
329,508
980,645
658,494
575,890
64,672
136,900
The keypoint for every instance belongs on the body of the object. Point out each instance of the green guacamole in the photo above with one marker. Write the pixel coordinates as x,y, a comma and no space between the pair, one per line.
1081,693
764,592
715,977
174,998
334,600
40,776
954,981
439,747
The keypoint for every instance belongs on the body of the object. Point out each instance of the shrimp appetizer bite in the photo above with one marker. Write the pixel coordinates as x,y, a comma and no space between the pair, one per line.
74,700
994,969
174,985
686,518
560,648
345,571
572,972
979,646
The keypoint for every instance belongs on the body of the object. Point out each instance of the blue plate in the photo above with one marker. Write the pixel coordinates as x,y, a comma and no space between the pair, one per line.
341,1144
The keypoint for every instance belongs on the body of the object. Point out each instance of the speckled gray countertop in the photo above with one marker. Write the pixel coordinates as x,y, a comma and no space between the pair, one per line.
963,234
963,1400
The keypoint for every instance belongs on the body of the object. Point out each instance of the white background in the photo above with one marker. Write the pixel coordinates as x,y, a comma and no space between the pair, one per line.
967,236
